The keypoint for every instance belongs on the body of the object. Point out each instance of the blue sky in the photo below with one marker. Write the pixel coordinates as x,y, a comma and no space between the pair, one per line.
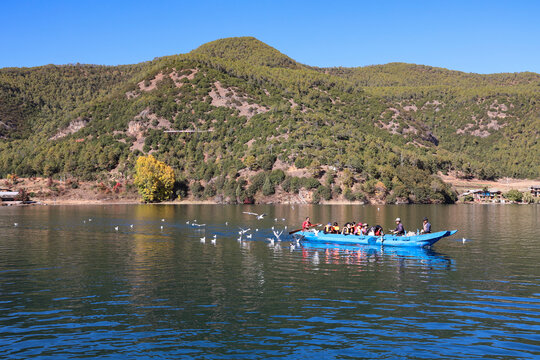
472,36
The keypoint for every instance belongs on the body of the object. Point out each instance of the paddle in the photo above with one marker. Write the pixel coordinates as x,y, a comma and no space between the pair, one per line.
295,231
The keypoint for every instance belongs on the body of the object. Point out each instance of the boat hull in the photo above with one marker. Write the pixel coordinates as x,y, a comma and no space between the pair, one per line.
424,240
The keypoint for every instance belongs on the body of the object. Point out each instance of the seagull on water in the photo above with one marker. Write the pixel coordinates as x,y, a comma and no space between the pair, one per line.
203,239
214,240
161,227
163,220
131,226
258,216
198,225
116,228
270,241
249,236
15,224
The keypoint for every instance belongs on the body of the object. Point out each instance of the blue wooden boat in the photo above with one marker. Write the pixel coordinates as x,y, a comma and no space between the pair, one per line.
422,240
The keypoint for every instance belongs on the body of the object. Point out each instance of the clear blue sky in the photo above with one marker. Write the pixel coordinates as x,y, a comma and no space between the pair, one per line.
472,36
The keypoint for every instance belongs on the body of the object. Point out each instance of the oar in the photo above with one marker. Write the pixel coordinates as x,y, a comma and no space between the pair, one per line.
297,230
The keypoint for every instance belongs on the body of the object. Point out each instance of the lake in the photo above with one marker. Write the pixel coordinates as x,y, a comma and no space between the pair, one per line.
72,286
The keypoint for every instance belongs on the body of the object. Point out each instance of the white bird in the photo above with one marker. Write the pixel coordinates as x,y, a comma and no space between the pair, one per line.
258,216
292,247
243,231
270,241
239,239
226,223
464,240
277,235
282,219
15,224
275,219
203,239
89,219
161,227
378,209
285,227
163,220
249,236
187,222
213,241
84,221
116,228
199,225
131,226
256,230
272,228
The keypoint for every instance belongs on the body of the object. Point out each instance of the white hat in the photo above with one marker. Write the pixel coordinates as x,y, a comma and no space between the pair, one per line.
398,219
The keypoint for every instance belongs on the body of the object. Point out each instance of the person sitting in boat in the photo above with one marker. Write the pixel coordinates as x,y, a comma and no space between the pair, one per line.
306,224
358,229
375,230
348,229
328,228
399,230
365,229
335,228
426,226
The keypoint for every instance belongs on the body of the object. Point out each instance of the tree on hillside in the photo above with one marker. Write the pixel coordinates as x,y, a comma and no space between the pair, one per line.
154,178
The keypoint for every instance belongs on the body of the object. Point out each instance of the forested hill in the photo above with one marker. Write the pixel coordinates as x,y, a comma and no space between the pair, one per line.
263,124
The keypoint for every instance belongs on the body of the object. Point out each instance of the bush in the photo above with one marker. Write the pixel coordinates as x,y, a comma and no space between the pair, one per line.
324,192
268,187
196,189
310,183
277,177
514,195
349,195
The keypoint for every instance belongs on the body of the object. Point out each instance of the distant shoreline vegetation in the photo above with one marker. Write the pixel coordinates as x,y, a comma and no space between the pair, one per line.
239,122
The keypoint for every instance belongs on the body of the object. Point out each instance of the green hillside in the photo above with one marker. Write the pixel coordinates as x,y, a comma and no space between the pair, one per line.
263,124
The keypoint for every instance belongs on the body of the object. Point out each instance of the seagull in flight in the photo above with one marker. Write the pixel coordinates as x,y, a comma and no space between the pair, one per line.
198,225
259,216
243,231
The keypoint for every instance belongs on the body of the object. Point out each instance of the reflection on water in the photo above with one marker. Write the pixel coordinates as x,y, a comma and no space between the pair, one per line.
363,255
71,285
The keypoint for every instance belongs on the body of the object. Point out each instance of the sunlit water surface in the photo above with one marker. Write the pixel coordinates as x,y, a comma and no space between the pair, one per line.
72,286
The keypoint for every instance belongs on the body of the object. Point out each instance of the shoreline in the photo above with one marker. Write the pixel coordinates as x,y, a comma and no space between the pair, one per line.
93,202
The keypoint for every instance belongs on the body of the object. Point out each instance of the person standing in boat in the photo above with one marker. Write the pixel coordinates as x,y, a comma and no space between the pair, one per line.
306,224
426,226
399,230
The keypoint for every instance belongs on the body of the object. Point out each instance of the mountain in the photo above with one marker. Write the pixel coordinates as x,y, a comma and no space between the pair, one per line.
257,124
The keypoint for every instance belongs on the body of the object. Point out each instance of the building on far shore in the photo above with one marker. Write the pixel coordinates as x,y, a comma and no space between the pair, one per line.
535,190
8,195
490,195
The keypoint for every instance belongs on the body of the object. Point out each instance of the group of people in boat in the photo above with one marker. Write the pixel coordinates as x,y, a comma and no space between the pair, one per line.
359,228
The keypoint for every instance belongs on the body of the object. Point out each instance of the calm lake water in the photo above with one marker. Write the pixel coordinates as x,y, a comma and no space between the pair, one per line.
72,286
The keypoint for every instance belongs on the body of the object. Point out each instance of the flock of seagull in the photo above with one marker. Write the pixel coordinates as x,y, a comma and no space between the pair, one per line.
242,232
246,232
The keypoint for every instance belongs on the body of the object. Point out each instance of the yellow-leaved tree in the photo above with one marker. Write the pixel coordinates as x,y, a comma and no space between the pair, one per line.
154,178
